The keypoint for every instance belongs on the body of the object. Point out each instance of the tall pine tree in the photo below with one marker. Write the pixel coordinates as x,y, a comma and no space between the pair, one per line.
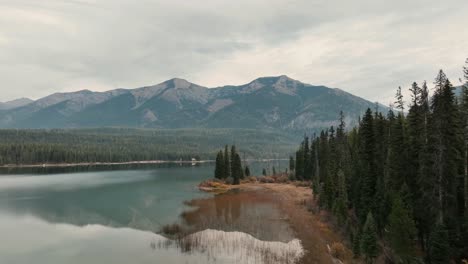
227,163
401,231
369,247
219,166
445,138
368,179
464,114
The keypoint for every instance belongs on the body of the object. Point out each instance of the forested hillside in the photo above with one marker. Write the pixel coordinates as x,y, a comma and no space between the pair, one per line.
398,181
121,145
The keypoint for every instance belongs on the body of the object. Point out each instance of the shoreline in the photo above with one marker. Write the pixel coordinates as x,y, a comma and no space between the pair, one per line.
316,231
82,164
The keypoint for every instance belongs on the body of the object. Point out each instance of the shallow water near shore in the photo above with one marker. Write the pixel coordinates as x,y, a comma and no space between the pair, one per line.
113,215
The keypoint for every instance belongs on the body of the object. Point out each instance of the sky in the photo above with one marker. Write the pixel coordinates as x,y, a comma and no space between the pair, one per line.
365,47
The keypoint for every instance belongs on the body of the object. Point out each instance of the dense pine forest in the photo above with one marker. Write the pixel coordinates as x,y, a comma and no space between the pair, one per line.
38,146
398,181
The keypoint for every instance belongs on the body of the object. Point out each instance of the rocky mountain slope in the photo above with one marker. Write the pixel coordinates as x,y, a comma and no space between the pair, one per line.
265,103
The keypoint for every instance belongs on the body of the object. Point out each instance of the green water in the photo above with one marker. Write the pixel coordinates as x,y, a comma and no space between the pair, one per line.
142,199
100,214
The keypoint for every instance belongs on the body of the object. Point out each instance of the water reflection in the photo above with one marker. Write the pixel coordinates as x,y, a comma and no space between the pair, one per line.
31,240
89,215
64,182
256,167
142,199
254,213
237,247
96,168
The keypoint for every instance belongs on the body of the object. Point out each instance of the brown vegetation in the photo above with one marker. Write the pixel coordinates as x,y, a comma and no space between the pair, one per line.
315,228
221,186
214,185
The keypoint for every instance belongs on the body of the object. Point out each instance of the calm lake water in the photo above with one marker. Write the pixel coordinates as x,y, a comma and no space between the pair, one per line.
114,215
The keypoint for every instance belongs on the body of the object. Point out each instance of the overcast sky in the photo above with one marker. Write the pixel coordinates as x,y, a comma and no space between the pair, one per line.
366,47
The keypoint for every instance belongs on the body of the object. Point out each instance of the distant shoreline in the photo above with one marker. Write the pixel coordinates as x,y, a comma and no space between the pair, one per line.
79,164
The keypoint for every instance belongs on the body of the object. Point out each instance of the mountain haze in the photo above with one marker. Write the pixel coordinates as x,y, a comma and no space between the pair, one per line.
15,103
265,103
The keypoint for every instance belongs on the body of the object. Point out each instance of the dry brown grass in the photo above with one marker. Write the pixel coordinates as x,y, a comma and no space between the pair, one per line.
278,178
214,185
312,229
311,225
338,250
250,179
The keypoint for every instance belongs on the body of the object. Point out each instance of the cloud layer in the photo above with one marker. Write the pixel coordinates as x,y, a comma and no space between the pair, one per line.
365,47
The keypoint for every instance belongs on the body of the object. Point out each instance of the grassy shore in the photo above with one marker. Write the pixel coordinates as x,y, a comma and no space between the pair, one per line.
315,228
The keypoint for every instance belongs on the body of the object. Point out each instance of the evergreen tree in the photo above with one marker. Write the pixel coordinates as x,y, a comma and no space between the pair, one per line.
333,164
340,205
445,139
237,173
416,138
464,114
291,163
415,94
247,171
300,162
307,162
397,160
368,179
274,170
354,181
239,164
233,161
399,104
423,192
326,177
264,172
401,231
438,245
342,147
314,159
328,190
381,134
219,166
323,156
356,244
227,163
340,131
369,247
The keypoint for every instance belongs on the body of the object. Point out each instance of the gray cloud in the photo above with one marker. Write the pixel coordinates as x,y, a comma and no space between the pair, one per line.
365,47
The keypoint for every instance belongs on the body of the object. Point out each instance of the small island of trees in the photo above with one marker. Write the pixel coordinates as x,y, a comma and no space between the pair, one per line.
228,166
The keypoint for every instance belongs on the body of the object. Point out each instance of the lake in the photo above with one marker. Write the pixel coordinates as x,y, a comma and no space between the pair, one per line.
114,214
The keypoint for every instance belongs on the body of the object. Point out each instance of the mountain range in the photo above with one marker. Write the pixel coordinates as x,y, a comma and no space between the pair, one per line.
265,103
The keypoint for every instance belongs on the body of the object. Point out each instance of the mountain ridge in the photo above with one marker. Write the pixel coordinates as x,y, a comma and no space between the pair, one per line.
15,103
274,102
